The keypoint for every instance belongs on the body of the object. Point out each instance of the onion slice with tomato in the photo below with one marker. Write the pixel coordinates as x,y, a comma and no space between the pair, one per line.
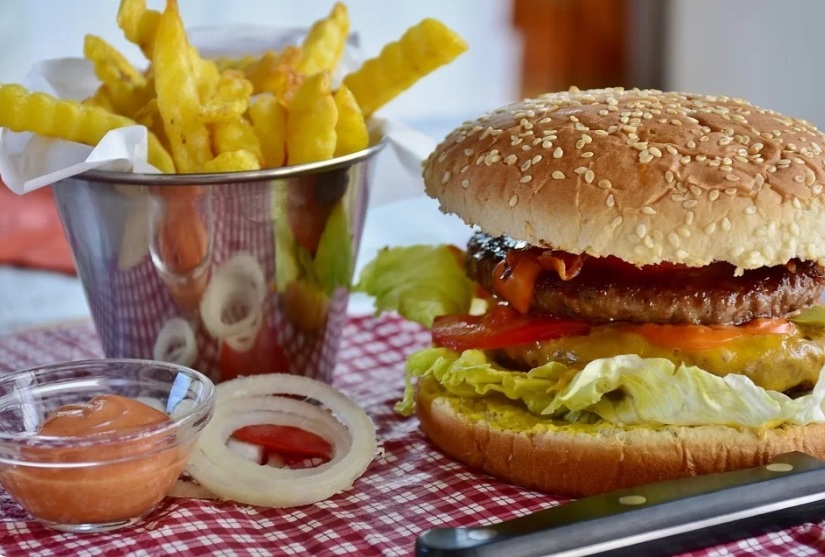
249,401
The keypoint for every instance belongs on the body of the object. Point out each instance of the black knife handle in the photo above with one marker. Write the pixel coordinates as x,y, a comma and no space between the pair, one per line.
621,519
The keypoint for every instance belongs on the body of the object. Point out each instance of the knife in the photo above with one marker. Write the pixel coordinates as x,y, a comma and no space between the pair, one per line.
661,518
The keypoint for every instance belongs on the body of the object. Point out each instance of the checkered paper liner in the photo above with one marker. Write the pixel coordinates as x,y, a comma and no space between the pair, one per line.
410,488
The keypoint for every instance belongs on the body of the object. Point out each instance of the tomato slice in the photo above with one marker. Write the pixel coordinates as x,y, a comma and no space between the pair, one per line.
501,326
288,441
704,337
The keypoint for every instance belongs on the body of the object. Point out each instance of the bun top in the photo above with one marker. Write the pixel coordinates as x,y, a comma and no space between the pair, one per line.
645,176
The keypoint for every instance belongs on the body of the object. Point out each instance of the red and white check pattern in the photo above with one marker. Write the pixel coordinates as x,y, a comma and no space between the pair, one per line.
410,488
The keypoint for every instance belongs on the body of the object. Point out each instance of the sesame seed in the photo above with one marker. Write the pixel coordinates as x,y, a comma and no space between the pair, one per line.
691,144
683,231
545,120
732,178
601,133
799,179
655,152
525,179
750,210
525,165
465,183
514,201
726,224
510,160
671,149
442,156
674,240
676,122
537,159
580,143
710,228
645,156
816,189
581,170
690,204
794,229
616,221
648,210
810,177
669,176
695,190
685,159
547,144
525,147
446,177
465,168
558,153
605,184
469,152
589,176
641,230
726,168
713,195
610,201
558,175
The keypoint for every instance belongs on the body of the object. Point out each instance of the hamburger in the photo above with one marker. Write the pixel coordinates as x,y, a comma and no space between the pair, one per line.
639,298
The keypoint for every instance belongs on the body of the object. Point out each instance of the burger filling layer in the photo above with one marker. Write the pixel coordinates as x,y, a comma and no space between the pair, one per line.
607,289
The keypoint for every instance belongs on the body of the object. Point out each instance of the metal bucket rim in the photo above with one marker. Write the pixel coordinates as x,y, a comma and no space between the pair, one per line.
283,172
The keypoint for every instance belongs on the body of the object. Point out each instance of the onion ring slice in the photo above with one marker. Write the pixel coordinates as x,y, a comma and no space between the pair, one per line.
249,401
237,287
176,343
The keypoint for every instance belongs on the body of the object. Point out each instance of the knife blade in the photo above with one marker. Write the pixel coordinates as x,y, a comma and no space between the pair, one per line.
666,517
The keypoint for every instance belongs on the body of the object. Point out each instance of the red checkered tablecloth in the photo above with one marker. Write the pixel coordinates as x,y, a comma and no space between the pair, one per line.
410,488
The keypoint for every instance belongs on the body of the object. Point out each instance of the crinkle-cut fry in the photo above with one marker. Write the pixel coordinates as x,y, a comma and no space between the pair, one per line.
45,115
236,135
311,119
138,24
101,98
206,74
230,100
240,64
276,73
324,44
233,161
422,48
269,122
351,129
128,88
177,94
149,116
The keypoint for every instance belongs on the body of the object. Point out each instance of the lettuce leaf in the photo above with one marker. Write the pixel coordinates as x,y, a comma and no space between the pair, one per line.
627,390
419,282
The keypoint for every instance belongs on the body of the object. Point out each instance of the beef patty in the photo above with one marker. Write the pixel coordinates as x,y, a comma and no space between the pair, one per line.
607,289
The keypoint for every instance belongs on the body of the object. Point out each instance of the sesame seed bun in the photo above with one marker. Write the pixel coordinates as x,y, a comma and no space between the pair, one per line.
645,176
575,462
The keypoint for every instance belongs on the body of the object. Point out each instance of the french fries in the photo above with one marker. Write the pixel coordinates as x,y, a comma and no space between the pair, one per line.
420,50
177,93
24,111
256,111
351,129
324,44
311,119
269,120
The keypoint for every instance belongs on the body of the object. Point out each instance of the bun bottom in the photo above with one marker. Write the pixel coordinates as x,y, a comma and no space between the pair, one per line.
581,460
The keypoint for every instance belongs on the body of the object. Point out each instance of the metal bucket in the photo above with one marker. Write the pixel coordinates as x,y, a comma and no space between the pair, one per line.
232,274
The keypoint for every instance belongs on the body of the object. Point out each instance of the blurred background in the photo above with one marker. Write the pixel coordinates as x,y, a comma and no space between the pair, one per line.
763,50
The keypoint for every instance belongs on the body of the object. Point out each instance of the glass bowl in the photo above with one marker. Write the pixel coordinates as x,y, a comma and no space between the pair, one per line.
105,481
